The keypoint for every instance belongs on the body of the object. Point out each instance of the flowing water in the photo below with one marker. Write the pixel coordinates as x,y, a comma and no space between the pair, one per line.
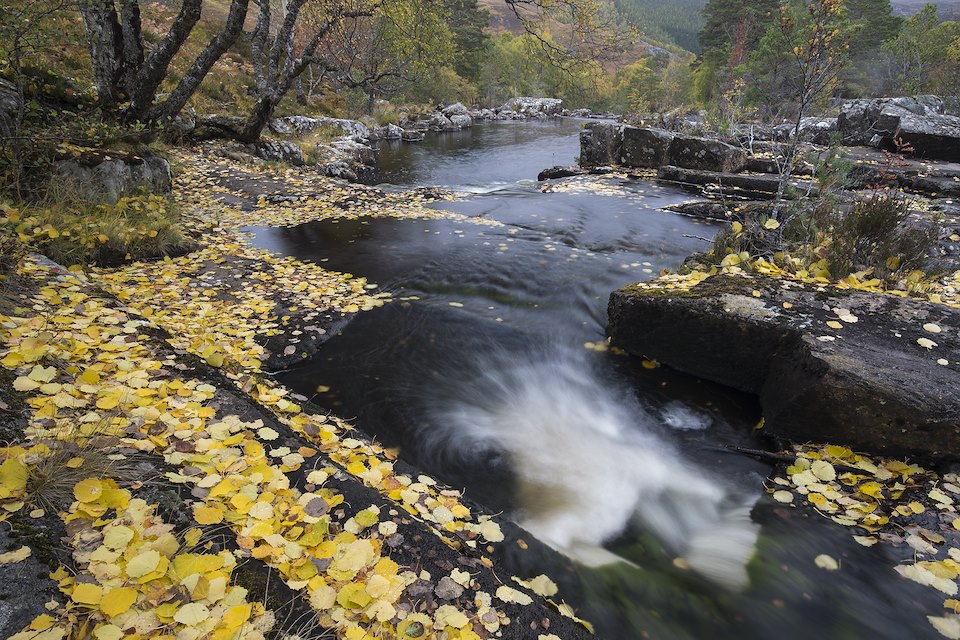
490,371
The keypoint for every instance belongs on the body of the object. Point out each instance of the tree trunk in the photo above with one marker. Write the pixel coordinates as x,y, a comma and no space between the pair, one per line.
105,42
131,38
259,117
198,70
301,92
152,72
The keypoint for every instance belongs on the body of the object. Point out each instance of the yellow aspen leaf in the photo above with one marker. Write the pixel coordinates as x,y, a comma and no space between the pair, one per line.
236,616
323,598
509,594
143,563
833,324
88,490
826,562
108,402
23,384
86,593
353,596
192,614
215,359
17,555
13,475
108,632
490,531
771,224
207,515
117,538
541,585
117,601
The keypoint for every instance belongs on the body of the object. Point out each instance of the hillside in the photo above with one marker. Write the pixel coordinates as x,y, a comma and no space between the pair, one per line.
947,9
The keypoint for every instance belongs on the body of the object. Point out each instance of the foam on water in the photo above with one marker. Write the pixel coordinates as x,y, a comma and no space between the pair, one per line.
589,462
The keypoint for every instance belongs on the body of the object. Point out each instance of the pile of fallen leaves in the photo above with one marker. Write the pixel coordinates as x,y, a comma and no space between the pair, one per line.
884,501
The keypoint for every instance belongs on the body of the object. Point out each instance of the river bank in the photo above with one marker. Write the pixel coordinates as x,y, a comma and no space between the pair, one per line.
170,375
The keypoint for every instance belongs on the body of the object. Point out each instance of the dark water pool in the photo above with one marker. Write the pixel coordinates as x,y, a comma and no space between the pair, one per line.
489,370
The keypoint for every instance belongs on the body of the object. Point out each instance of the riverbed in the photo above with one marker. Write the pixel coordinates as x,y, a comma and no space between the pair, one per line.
491,371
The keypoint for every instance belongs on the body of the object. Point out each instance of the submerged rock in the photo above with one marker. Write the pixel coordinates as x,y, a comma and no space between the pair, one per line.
560,171
873,371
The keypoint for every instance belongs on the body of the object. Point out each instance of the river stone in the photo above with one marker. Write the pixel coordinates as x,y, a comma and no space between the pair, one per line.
707,154
648,148
873,385
601,143
455,109
461,121
440,122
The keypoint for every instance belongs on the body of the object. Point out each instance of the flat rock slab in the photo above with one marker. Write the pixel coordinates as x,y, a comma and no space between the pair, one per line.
882,376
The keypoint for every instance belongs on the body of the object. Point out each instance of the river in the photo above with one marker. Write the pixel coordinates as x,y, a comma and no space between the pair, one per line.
491,372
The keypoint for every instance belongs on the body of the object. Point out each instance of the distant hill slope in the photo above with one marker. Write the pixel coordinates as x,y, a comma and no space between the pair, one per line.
671,21
661,22
946,9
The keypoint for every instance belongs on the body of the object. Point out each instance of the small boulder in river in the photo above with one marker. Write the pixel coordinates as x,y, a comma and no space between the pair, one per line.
873,371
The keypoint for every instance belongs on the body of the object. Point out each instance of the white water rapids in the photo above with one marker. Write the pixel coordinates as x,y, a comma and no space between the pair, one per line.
589,463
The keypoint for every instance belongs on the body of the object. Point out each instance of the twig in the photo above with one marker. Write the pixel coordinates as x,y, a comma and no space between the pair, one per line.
778,457
687,235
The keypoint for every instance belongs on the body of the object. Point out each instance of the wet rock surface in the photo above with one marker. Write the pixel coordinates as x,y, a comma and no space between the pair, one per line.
884,381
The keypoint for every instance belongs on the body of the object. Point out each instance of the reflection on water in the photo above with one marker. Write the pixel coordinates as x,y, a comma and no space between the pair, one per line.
484,158
483,380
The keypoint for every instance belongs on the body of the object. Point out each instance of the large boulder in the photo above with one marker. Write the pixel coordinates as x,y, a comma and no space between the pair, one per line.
921,121
108,175
816,130
461,120
387,132
440,122
884,381
303,125
531,107
601,143
706,154
455,109
932,137
648,148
